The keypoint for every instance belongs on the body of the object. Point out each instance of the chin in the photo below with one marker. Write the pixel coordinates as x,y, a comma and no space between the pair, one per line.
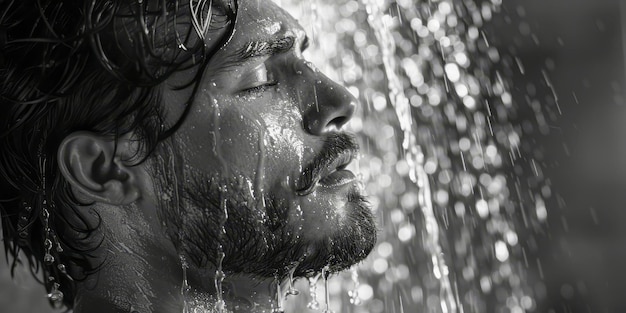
272,240
348,240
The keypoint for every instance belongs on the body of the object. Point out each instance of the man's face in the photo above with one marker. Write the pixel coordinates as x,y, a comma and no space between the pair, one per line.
258,164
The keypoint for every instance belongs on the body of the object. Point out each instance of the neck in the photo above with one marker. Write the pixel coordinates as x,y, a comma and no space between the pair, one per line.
142,272
131,282
240,294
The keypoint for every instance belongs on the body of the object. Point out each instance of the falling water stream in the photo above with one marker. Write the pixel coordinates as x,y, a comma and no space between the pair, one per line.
412,152
220,305
313,304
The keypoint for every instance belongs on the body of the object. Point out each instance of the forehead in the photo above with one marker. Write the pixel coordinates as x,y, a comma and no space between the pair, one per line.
259,20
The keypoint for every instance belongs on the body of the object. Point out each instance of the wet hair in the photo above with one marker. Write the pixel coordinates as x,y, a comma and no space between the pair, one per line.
69,65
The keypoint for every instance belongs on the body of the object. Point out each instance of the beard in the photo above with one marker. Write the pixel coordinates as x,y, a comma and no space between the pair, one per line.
209,218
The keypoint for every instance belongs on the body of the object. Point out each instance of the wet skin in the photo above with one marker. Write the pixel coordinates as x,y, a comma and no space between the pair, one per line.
266,117
256,125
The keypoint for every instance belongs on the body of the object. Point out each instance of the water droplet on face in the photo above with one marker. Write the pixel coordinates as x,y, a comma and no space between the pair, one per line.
312,66
220,304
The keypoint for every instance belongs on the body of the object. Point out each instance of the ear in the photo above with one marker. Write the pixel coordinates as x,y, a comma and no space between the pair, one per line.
97,167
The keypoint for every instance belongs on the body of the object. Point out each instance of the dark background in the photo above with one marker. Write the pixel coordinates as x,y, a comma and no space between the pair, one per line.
578,46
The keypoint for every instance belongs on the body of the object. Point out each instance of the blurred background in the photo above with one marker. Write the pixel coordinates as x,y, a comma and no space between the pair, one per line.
493,149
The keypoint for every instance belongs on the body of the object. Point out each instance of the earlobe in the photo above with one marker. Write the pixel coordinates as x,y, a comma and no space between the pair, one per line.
95,166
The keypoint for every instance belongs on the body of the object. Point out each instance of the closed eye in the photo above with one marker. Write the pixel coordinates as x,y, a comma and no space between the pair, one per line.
257,79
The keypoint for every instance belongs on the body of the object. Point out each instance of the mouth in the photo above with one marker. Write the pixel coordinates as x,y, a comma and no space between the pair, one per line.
335,176
329,171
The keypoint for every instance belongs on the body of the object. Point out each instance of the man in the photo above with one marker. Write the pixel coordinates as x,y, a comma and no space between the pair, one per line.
161,156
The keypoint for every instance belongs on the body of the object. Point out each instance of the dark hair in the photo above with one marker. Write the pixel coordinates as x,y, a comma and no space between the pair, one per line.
68,65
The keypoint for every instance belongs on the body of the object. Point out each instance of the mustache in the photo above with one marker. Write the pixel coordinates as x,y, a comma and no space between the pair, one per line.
336,145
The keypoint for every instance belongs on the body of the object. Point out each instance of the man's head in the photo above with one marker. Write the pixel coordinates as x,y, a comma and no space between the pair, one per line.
150,131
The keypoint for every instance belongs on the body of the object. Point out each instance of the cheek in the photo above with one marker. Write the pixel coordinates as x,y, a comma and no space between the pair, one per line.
219,139
257,140
284,143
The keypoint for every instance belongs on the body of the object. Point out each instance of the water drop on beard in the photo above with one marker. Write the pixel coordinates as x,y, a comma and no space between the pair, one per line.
184,289
326,274
314,304
278,308
292,291
220,304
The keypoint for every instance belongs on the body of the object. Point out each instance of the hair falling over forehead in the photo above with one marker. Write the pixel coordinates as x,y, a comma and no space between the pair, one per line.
97,66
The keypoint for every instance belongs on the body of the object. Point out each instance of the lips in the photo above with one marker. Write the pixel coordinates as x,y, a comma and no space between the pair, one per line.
329,168
336,174
337,178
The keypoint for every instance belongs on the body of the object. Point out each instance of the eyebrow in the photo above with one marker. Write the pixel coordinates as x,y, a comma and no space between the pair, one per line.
269,48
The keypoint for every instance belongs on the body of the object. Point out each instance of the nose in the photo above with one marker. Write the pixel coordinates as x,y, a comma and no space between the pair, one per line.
327,105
